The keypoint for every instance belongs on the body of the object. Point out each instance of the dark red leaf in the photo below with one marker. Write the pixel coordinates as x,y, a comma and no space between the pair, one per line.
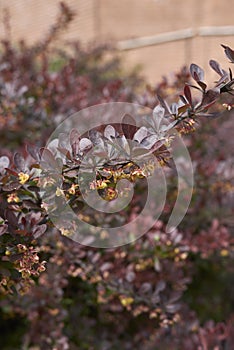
188,95
39,231
4,162
11,186
48,159
3,229
128,126
216,67
210,97
164,104
12,172
183,99
19,162
110,132
34,152
11,218
196,72
85,144
74,141
202,85
228,52
65,152
28,204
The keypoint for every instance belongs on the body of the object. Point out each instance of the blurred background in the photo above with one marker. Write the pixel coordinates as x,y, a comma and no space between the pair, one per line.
160,36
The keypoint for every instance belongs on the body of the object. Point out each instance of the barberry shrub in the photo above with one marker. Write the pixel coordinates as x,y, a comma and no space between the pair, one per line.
163,291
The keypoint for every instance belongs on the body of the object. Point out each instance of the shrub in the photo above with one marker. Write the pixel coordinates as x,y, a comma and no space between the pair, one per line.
154,293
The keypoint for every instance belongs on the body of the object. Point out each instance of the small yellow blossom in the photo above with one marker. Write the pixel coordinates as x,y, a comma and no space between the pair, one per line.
104,234
53,312
224,252
98,184
65,232
23,178
21,248
227,106
41,268
126,301
72,189
13,198
109,194
153,314
59,192
25,274
184,256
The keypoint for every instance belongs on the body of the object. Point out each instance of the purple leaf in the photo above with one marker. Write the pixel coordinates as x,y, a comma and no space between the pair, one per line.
39,231
145,288
139,152
196,72
35,218
3,229
188,95
209,98
183,99
174,108
11,218
128,126
228,52
48,159
65,152
110,132
88,240
19,162
29,204
95,137
34,152
202,85
150,141
183,109
4,163
140,134
160,287
216,67
74,141
164,104
106,266
172,308
85,144
12,172
12,186
63,140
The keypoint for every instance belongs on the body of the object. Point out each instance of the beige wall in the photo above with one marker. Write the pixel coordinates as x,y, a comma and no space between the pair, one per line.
121,20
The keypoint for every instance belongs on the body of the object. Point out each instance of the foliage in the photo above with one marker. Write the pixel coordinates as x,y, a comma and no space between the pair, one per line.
156,293
36,95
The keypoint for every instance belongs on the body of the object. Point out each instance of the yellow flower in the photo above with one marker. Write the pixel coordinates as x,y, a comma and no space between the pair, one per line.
21,248
109,194
25,274
59,192
13,198
98,184
183,256
65,232
224,252
72,189
126,301
23,178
